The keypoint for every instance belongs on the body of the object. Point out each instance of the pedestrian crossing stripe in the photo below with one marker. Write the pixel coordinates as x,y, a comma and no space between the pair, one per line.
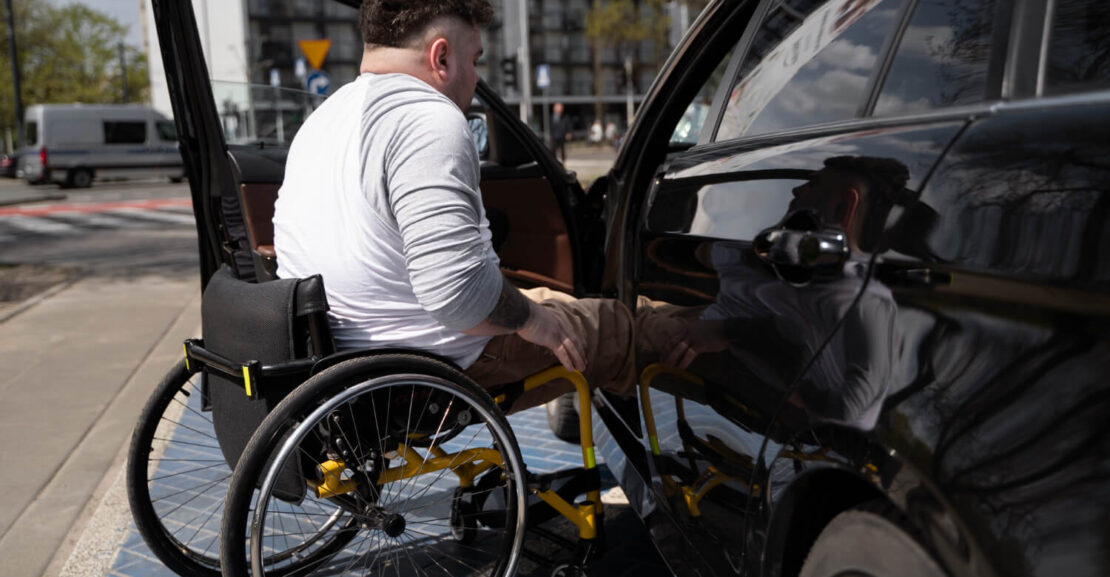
38,225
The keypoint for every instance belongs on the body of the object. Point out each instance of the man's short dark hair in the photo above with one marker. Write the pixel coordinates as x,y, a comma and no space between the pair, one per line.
885,177
886,180
397,22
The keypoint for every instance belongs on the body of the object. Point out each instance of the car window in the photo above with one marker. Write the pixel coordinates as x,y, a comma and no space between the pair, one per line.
31,136
942,58
1078,46
124,132
257,114
166,130
809,63
689,127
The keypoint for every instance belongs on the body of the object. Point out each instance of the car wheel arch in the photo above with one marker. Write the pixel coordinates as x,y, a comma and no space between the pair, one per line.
805,507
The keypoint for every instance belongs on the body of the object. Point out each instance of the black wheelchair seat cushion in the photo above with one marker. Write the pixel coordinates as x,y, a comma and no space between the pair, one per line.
263,322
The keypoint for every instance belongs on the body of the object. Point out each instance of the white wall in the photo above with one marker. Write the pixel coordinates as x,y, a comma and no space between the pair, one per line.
222,25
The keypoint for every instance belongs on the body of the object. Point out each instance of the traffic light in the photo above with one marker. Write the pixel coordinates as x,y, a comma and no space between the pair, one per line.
508,72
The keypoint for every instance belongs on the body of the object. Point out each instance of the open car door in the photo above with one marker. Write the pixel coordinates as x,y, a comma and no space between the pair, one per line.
540,223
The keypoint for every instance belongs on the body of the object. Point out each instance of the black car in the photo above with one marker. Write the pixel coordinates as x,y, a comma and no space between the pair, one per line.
890,228
8,164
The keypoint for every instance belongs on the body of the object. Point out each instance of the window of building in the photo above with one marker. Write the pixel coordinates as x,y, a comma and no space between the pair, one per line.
1078,46
122,132
942,59
809,63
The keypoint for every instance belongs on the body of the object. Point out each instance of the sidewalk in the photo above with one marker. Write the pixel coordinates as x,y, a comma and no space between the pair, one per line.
81,361
16,191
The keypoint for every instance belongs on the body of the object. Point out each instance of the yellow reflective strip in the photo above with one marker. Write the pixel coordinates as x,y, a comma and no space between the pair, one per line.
247,380
654,444
591,458
186,347
499,399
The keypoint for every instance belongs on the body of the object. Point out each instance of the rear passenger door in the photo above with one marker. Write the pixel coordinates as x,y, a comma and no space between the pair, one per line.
765,235
542,230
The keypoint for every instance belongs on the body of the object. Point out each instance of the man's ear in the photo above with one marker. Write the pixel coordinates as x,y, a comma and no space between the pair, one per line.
437,58
846,209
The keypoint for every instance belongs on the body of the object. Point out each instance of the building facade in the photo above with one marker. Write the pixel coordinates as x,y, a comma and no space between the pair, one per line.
257,42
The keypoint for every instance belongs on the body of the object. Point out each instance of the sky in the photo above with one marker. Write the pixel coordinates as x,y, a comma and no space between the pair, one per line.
126,11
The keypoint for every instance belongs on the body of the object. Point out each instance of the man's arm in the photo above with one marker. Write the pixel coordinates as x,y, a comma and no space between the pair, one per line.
514,313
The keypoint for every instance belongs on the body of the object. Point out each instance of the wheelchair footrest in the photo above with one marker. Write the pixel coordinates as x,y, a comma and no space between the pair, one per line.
567,483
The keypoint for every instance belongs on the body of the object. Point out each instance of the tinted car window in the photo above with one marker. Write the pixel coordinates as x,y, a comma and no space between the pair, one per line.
693,119
166,130
32,133
942,58
124,132
809,63
1079,45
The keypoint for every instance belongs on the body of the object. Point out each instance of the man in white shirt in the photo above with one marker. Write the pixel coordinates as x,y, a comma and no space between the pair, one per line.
381,198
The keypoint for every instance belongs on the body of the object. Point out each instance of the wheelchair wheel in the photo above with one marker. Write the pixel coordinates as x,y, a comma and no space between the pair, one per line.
388,438
177,481
177,477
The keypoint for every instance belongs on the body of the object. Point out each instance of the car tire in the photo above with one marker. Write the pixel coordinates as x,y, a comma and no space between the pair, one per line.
79,178
869,542
562,417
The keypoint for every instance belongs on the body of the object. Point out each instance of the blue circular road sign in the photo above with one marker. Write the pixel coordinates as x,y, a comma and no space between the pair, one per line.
318,82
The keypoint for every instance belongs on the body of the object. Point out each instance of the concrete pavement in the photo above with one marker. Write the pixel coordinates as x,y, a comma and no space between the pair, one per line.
81,362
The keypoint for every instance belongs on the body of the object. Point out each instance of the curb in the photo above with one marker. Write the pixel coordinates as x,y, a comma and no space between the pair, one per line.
30,199
19,308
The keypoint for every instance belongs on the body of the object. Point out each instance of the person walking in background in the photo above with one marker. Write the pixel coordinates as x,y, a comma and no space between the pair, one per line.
560,131
611,134
595,133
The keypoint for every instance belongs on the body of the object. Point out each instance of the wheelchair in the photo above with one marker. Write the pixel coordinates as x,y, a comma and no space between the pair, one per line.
266,452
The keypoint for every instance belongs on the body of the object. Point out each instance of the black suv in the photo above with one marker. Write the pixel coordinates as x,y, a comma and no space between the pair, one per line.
886,219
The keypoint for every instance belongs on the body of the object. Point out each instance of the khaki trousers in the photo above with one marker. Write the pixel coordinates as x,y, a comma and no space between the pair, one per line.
604,326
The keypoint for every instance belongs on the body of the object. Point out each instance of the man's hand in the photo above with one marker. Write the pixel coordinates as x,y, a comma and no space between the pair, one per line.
550,331
514,313
700,337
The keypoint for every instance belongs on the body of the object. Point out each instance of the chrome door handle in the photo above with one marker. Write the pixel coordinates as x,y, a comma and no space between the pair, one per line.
802,248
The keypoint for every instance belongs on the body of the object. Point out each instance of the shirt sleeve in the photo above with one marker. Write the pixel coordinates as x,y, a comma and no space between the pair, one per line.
432,175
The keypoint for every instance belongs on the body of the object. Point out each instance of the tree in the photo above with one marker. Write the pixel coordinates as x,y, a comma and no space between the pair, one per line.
620,24
68,54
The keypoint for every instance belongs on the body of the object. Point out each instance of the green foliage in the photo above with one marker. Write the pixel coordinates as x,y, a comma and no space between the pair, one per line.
611,23
67,54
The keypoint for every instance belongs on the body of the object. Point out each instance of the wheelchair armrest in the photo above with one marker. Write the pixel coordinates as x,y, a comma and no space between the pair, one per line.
248,372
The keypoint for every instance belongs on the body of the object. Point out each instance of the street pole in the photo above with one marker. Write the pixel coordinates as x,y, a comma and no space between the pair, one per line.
629,112
123,72
524,74
15,76
546,118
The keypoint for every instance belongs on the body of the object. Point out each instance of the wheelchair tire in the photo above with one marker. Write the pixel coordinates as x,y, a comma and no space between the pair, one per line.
177,481
177,478
342,415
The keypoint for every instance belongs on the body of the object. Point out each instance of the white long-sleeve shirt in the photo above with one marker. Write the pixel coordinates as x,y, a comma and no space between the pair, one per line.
381,198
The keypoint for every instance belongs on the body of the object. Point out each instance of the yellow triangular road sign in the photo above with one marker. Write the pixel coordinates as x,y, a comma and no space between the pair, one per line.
315,51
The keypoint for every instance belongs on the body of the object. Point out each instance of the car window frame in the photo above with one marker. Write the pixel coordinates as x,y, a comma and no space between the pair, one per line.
1043,90
1000,68
743,49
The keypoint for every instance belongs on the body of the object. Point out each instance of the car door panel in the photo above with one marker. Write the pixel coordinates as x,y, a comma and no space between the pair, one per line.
1002,291
529,200
536,249
737,419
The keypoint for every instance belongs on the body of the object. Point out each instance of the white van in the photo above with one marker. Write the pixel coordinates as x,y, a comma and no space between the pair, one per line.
71,144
